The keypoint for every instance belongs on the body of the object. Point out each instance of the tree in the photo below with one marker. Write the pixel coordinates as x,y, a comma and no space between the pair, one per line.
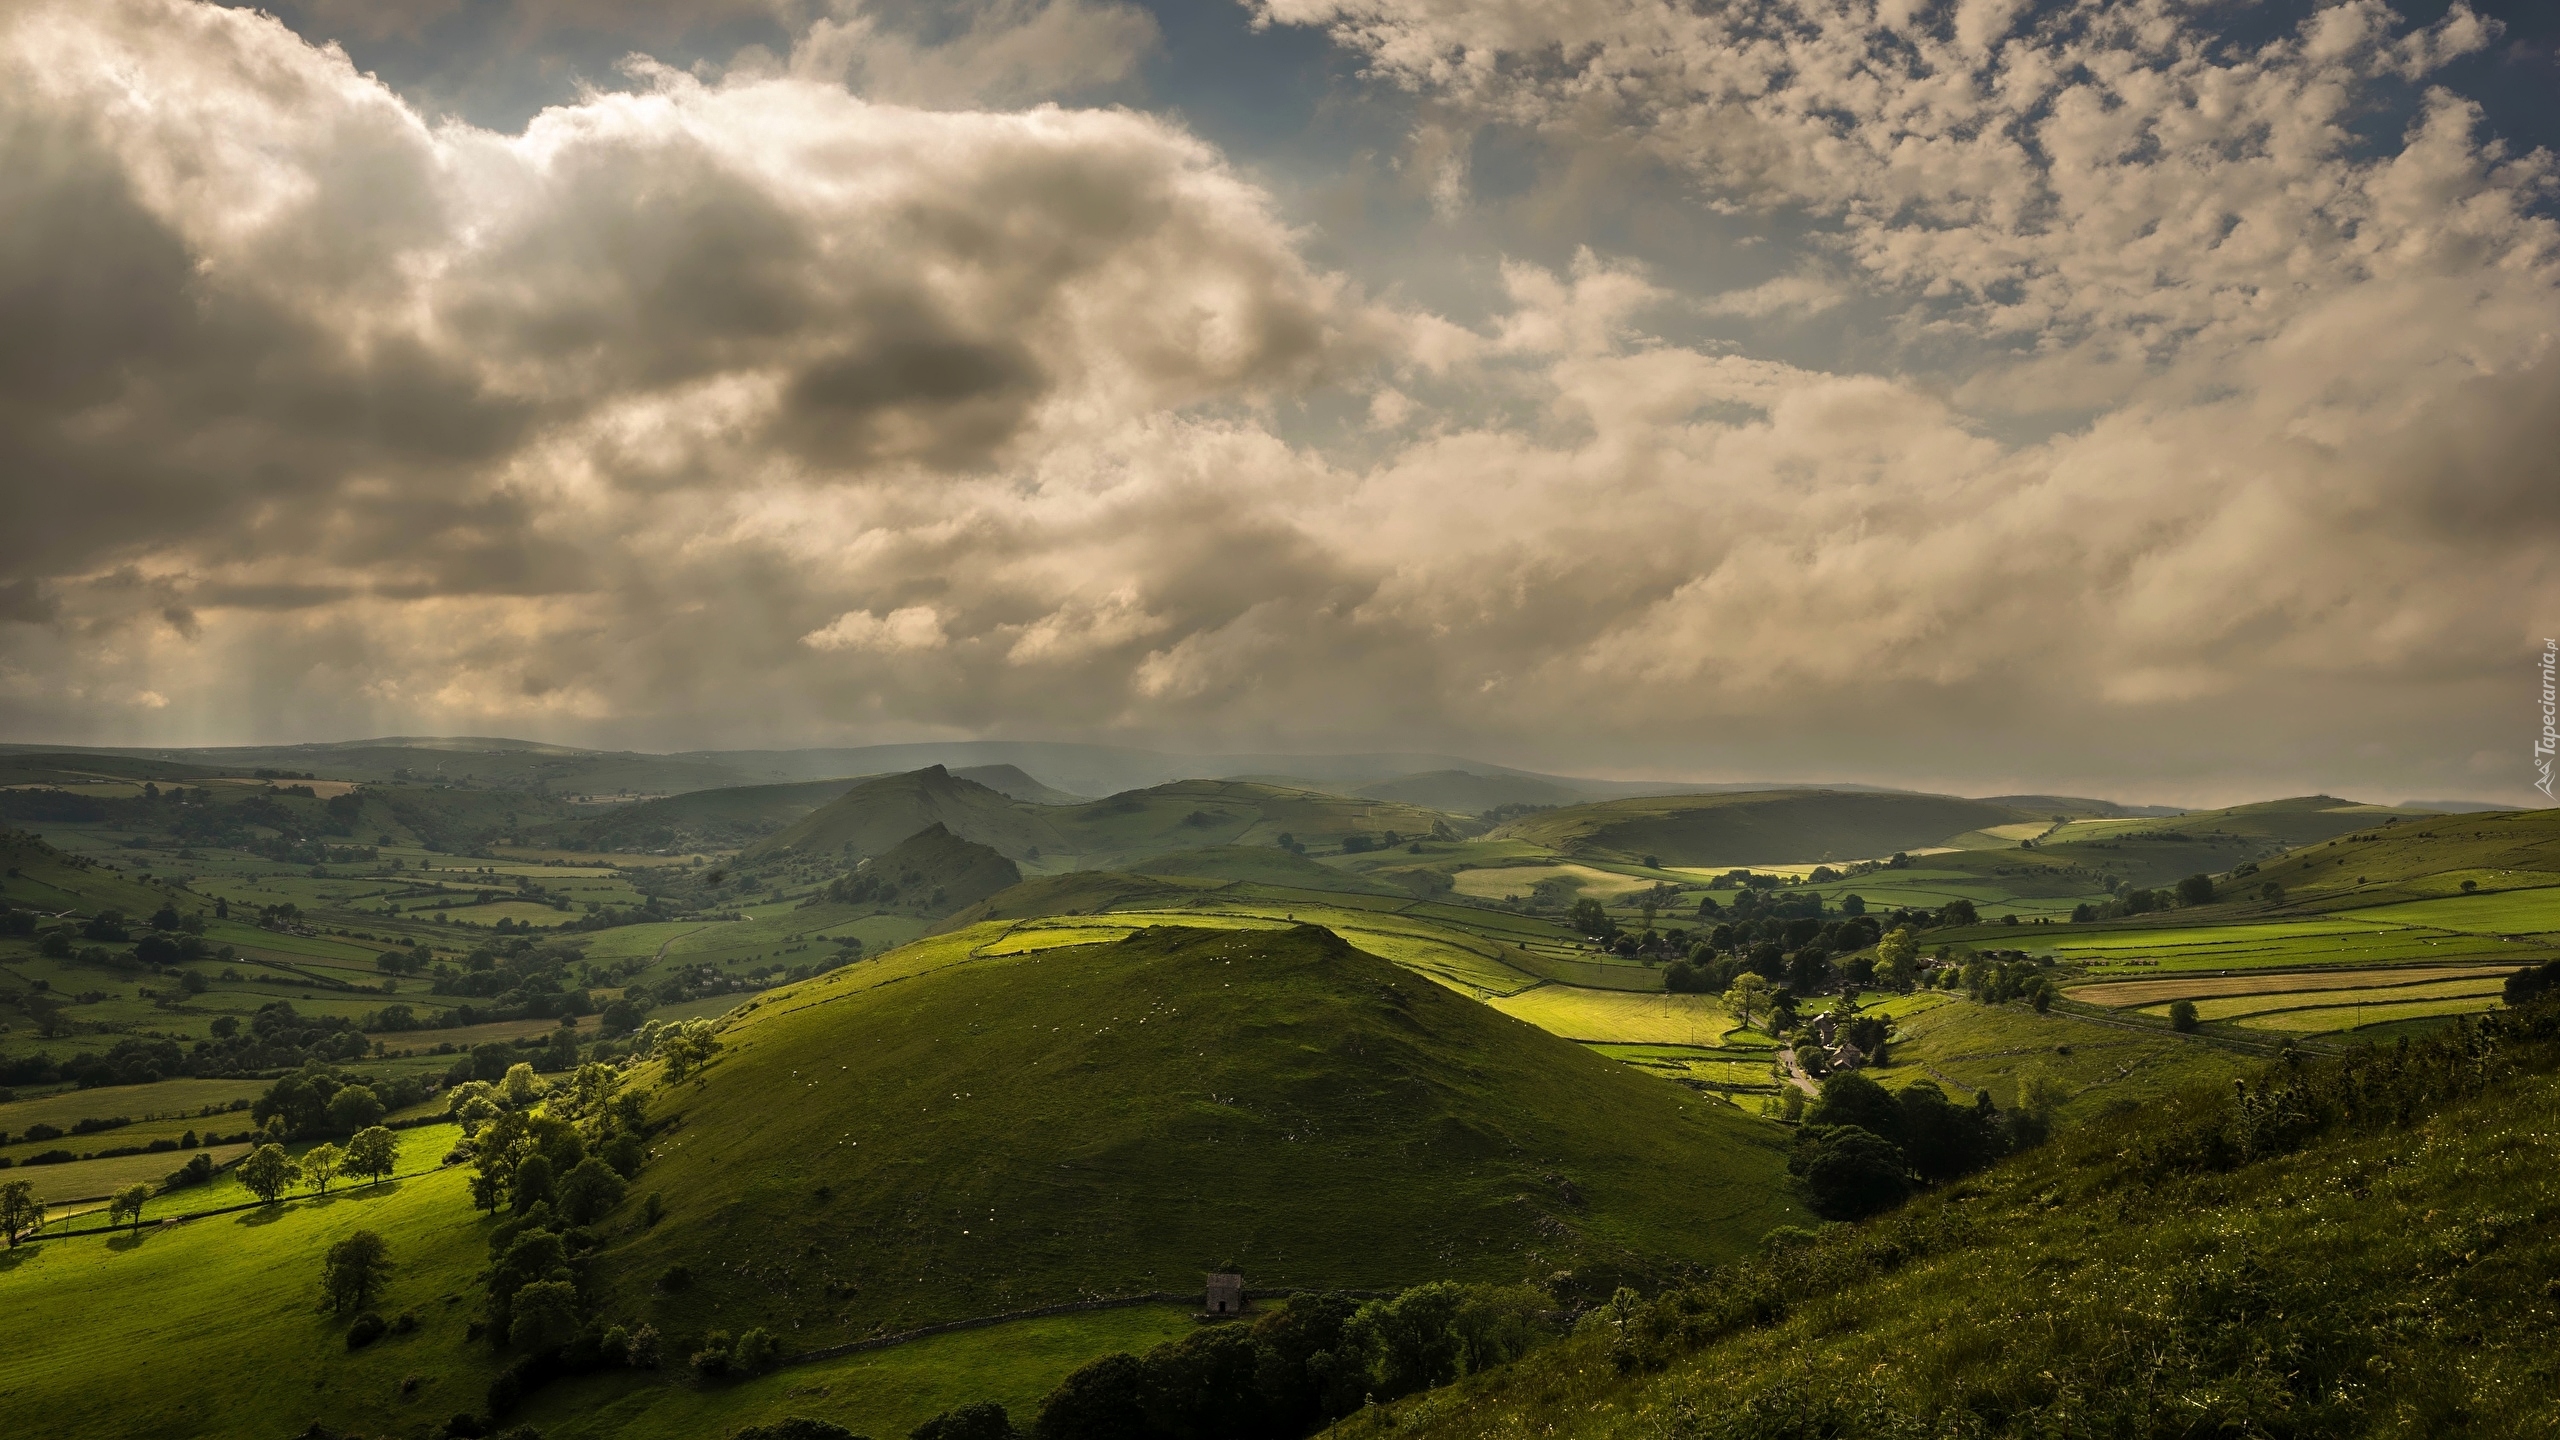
686,1047
1898,959
354,1271
1850,1173
268,1172
373,1152
1750,995
128,1201
20,1210
1850,1098
1958,911
588,1191
320,1165
1588,918
354,1108
2196,890
1099,1401
520,1087
531,1182
2271,892
545,1316
2182,1015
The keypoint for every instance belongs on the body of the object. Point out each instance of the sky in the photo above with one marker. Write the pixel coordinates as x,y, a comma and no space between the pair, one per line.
2148,399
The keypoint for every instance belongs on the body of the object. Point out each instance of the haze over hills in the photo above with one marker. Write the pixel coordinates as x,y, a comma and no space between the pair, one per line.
1050,772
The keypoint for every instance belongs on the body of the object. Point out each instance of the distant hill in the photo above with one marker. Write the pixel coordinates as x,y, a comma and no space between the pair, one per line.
1097,834
700,819
878,813
1463,792
928,1136
1760,827
2075,808
1011,780
1261,864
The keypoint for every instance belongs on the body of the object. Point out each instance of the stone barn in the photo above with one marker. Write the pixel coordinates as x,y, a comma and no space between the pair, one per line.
1226,1295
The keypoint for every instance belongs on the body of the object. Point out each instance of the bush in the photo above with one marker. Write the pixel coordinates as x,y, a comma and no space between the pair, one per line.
985,1420
368,1327
797,1427
711,1362
2182,1015
756,1352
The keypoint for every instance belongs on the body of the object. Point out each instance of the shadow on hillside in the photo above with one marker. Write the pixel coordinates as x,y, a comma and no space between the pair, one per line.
24,1251
266,1214
128,1241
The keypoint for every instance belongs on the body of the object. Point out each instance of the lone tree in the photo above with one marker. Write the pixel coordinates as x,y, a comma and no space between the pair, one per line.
2182,1015
128,1202
20,1210
1749,993
268,1172
372,1153
321,1164
354,1271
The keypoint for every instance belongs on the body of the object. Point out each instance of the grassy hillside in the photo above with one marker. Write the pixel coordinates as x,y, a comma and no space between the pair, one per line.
2313,1255
932,1136
1773,826
2422,857
1098,834
876,814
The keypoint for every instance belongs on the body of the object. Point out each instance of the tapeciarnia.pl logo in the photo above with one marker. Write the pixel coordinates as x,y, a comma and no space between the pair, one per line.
2550,738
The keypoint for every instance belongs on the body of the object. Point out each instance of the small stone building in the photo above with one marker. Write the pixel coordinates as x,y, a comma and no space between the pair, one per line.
1226,1295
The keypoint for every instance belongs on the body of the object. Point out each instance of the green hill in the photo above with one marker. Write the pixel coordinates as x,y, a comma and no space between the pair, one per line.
932,873
2421,857
876,814
933,1136
2343,1248
1098,834
1759,827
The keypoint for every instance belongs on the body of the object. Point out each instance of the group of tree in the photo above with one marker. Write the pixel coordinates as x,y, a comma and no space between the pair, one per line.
269,1171
1862,1148
1286,1374
557,1161
2130,900
319,1100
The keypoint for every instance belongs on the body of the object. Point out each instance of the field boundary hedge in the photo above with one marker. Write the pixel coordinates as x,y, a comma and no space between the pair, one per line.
1041,1312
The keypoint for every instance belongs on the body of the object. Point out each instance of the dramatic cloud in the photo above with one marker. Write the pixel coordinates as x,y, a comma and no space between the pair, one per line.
2193,408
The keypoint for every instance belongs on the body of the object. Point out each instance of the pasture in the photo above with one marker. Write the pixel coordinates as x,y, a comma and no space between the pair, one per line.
885,1392
1620,1017
2484,990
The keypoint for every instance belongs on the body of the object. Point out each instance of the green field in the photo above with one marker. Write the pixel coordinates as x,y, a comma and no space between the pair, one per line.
2483,990
1602,1015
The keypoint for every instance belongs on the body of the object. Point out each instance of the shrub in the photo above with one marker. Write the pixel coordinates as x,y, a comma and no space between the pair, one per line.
711,1362
756,1352
2182,1015
797,1427
985,1420
367,1328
